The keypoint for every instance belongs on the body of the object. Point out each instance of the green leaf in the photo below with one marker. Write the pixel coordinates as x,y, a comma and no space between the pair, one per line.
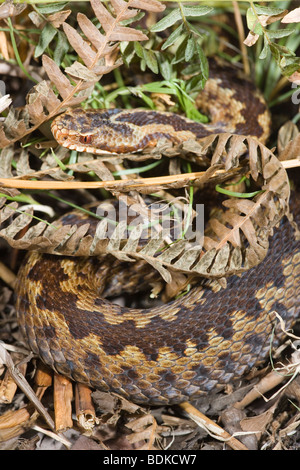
203,62
151,60
172,38
280,33
46,37
51,8
193,113
269,11
196,31
195,10
20,198
148,57
275,51
61,48
236,194
165,67
127,51
290,69
265,50
253,23
140,94
137,17
285,51
139,49
167,21
143,65
175,15
195,84
180,52
158,87
190,49
141,169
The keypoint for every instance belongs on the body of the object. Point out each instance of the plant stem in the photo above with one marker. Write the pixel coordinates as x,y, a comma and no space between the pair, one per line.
186,25
16,52
240,28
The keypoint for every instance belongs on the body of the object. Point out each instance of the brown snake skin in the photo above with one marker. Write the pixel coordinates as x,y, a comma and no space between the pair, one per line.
182,349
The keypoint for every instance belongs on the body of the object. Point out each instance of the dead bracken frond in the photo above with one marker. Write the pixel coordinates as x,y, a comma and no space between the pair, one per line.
97,54
222,252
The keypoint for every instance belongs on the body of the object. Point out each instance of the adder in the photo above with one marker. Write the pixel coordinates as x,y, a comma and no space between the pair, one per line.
189,346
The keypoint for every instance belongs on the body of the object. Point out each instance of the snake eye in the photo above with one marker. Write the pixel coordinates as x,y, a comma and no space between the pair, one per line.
85,139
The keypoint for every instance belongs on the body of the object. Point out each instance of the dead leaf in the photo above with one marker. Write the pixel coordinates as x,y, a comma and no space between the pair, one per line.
58,18
269,19
258,424
292,427
122,33
251,39
5,102
295,78
288,141
80,45
143,429
83,73
149,5
292,17
112,28
92,32
232,419
57,77
4,140
8,10
121,5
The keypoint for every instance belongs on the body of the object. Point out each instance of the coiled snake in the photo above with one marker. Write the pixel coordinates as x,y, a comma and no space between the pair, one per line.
189,346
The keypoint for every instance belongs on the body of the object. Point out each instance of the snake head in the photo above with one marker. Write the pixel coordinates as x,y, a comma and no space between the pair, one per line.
79,130
96,131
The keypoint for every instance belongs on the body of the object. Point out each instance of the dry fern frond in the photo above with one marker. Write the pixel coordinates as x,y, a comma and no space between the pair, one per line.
236,241
143,429
97,53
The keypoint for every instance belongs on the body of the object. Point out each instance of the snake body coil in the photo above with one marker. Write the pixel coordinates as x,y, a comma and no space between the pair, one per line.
187,347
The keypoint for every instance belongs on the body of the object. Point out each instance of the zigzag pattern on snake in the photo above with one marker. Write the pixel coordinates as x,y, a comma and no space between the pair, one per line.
182,349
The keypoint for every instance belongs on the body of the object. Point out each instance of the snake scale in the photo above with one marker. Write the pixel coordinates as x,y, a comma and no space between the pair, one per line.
189,346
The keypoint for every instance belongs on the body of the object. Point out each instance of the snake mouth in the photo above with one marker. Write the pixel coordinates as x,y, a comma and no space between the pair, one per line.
66,138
